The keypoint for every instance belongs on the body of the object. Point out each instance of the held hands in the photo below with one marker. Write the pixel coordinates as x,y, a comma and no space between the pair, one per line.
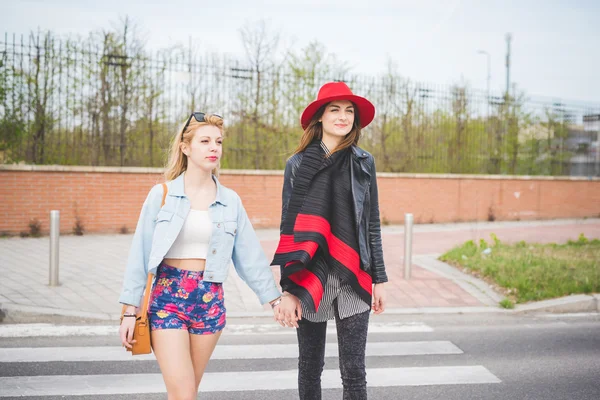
127,327
289,311
379,298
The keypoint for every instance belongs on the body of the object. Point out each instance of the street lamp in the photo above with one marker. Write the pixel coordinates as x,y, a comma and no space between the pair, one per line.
489,75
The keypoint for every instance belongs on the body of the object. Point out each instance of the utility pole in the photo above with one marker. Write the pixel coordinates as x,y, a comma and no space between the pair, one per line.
508,39
506,107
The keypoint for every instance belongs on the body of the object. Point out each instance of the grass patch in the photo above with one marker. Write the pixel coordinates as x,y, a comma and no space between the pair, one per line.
531,272
507,303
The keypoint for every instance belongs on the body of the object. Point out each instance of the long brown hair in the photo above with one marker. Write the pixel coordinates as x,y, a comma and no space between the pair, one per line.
314,130
177,160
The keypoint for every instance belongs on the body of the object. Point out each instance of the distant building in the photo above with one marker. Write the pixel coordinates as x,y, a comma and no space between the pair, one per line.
584,143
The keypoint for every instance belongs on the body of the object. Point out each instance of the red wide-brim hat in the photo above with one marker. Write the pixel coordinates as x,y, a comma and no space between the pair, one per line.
339,91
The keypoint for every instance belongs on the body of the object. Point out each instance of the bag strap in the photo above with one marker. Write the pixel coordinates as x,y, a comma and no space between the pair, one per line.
144,305
165,190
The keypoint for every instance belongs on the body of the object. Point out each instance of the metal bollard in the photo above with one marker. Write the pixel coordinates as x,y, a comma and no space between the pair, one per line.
408,236
54,236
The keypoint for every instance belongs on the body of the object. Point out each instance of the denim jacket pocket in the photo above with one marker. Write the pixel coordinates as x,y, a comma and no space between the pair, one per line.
164,216
230,232
231,228
161,230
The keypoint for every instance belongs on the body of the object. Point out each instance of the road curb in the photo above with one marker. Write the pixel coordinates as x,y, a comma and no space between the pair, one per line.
597,297
15,313
23,313
470,284
579,303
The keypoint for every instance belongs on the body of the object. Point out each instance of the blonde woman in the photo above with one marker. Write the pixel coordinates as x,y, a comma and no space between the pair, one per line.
188,243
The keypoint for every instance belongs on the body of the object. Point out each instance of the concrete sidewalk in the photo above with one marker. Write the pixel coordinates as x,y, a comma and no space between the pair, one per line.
91,270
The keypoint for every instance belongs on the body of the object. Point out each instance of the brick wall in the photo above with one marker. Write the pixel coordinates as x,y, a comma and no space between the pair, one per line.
106,199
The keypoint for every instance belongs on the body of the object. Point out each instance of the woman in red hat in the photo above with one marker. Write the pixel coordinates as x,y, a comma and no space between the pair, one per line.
330,247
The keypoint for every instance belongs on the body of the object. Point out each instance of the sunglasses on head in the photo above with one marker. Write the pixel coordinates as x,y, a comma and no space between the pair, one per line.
198,116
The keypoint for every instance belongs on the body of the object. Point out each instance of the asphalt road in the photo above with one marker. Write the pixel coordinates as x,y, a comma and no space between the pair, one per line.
421,357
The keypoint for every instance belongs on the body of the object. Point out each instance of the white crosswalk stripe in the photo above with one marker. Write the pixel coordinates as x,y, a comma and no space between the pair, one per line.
222,352
251,379
50,330
79,385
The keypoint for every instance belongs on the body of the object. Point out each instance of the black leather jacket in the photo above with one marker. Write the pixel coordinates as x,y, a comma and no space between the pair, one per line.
366,205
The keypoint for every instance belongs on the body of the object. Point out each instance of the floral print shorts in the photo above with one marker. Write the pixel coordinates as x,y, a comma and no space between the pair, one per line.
183,300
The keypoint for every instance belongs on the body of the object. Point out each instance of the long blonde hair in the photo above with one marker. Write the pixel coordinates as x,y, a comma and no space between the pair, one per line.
177,160
314,130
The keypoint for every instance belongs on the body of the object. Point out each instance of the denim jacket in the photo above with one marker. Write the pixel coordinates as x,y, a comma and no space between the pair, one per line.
232,239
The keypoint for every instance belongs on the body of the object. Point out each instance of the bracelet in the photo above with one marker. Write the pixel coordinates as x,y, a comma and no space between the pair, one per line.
129,315
276,302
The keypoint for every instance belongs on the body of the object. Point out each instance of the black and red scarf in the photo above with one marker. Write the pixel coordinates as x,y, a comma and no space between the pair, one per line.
319,226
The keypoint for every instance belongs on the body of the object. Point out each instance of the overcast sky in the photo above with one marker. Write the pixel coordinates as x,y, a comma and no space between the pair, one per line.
555,47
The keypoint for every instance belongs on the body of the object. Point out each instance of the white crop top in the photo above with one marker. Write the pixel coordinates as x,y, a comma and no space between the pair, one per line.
194,237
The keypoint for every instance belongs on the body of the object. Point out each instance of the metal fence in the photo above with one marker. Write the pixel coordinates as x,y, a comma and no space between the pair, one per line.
104,101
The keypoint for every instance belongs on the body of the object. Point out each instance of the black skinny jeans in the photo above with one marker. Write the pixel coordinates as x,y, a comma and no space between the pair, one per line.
352,342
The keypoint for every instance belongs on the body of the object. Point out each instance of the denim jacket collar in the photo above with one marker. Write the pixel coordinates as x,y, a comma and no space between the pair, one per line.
177,188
